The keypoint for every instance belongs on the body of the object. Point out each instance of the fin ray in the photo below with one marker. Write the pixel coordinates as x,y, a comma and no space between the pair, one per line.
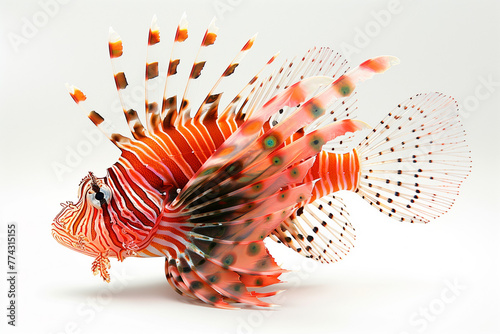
406,174
320,230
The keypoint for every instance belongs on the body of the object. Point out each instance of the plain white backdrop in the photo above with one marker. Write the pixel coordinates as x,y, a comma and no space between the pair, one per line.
399,279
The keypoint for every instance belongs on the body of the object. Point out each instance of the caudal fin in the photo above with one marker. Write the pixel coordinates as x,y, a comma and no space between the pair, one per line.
415,160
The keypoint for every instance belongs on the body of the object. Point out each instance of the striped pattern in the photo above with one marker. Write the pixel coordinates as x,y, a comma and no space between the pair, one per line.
117,229
170,239
123,226
335,172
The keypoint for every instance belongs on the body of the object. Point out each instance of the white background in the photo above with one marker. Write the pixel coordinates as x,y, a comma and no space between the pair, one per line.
395,272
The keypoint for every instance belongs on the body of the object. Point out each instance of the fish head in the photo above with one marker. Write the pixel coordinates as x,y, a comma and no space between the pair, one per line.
85,226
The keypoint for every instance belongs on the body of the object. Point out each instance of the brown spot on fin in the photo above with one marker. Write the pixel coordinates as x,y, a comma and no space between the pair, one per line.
96,118
154,33
121,80
77,95
230,70
115,44
197,68
151,70
172,67
209,38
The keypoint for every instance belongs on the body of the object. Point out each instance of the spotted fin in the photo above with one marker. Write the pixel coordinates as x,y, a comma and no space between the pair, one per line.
320,230
223,161
244,147
192,275
240,101
316,62
224,213
415,160
225,254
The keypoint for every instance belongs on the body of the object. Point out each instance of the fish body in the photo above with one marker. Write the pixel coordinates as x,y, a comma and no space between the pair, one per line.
203,188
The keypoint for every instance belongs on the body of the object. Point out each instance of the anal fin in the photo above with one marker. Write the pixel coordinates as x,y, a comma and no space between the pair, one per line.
319,230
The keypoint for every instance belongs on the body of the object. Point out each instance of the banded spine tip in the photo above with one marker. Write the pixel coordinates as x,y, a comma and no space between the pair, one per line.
154,32
211,34
249,44
182,29
115,44
77,95
273,58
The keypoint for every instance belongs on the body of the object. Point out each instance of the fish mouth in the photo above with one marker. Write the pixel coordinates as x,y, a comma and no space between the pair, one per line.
63,236
79,244
58,234
59,231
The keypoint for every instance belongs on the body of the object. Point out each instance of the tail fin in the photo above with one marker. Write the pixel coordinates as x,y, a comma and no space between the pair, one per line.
415,160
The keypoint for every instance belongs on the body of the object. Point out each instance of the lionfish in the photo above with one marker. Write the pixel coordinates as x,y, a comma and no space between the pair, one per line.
205,187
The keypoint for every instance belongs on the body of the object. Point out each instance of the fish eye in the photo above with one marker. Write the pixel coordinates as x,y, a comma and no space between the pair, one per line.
101,196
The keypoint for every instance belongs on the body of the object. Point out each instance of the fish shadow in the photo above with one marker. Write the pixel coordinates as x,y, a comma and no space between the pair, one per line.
146,291
337,290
